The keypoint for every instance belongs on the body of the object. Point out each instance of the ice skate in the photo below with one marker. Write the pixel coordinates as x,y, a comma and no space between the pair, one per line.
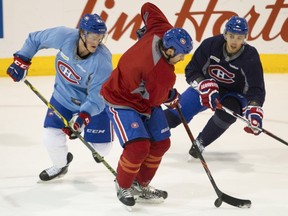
148,194
193,151
54,172
125,196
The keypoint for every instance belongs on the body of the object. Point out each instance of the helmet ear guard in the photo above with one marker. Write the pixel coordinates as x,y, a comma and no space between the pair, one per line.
179,40
93,23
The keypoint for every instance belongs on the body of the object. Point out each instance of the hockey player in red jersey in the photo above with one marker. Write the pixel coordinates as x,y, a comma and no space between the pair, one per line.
142,81
226,68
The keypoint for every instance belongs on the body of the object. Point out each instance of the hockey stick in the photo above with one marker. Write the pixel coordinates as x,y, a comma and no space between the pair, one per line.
236,115
221,196
90,147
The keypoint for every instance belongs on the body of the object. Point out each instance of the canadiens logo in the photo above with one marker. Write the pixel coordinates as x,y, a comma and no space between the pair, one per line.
221,74
134,125
68,73
182,41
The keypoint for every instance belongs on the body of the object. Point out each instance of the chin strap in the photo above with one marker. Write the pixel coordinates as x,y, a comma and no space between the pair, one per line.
163,49
169,57
84,42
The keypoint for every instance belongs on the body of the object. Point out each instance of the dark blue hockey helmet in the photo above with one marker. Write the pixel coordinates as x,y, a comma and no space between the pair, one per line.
179,40
93,23
237,25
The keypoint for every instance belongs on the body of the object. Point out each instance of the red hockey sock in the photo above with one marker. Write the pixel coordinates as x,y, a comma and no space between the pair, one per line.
152,161
130,161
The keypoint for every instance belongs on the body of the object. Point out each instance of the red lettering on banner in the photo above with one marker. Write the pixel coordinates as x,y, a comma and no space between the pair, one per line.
120,29
88,9
266,31
187,14
199,29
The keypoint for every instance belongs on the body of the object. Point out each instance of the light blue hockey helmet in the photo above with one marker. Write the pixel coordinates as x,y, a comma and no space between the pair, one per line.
237,25
93,23
179,40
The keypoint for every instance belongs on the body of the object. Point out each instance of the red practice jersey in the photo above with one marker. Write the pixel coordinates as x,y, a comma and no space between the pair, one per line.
143,77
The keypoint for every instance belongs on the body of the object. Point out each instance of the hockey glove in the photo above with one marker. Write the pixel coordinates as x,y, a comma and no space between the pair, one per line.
77,124
140,32
255,115
209,91
19,68
173,99
70,133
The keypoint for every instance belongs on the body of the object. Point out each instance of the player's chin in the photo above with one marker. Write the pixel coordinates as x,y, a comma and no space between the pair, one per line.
92,49
234,49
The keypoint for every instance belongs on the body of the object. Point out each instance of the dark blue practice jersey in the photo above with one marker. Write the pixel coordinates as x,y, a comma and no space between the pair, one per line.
241,73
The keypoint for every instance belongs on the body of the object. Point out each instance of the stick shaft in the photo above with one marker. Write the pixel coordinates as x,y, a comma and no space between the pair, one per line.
236,115
203,162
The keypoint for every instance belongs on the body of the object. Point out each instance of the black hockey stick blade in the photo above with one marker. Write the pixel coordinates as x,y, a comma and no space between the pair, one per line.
240,203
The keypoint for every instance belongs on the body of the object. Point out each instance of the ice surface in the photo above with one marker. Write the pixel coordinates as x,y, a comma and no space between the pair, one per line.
243,165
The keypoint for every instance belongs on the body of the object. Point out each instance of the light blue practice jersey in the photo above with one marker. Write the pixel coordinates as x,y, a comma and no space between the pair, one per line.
78,81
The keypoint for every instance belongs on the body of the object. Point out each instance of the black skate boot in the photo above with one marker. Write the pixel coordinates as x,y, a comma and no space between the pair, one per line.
124,195
53,172
148,194
193,151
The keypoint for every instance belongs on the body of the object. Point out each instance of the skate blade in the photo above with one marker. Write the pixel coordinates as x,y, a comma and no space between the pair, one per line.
150,201
54,180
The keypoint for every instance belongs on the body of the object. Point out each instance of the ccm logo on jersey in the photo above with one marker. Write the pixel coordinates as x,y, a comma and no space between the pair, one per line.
221,74
67,72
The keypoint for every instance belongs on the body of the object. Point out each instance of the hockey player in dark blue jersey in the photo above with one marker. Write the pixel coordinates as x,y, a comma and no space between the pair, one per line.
82,64
226,68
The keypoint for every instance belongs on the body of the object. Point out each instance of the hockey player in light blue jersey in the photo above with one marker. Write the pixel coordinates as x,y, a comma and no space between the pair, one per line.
82,64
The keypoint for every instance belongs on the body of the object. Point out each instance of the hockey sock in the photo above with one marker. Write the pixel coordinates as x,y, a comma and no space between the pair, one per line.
130,161
152,161
219,122
55,142
212,131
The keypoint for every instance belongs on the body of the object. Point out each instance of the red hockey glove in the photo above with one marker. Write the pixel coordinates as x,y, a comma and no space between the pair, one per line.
70,133
173,99
208,90
19,68
255,115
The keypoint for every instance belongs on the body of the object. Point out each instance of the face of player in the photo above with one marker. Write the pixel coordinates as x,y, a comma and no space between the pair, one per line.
234,42
176,59
93,40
